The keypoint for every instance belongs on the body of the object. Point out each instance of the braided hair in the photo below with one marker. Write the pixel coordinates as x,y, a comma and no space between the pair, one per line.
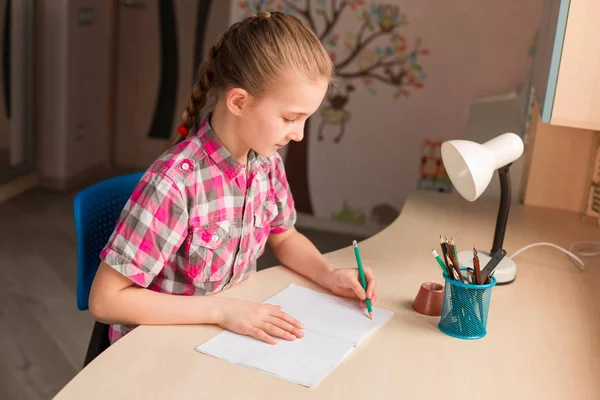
250,55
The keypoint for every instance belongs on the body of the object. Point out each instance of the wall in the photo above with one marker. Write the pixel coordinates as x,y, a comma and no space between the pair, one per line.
73,88
139,66
4,122
473,49
498,114
98,83
51,88
89,61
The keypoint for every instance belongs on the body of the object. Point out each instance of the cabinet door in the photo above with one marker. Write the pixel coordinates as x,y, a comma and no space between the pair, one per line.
548,56
577,95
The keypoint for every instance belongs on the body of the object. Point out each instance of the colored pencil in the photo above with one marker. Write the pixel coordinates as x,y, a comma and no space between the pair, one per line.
363,279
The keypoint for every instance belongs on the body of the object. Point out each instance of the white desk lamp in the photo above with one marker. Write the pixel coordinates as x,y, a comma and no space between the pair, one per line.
470,167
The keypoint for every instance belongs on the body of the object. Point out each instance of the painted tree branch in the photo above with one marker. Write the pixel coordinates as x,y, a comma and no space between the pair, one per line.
333,6
396,80
367,71
330,24
359,47
306,13
361,32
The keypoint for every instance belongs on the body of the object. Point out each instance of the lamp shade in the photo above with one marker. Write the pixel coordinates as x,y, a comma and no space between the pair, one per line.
470,166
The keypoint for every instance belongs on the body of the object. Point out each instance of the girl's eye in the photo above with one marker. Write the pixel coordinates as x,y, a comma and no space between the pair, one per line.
288,120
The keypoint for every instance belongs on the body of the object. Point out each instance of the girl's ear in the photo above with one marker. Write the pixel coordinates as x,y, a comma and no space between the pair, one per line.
237,100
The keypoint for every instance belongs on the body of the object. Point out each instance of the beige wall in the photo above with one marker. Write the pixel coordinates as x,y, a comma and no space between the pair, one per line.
51,78
138,74
82,106
72,88
4,127
477,49
88,60
217,22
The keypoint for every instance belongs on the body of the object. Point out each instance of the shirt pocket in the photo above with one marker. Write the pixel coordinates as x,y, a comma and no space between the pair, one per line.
263,217
208,254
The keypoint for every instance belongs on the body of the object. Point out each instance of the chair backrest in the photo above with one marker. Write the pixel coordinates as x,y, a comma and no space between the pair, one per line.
97,209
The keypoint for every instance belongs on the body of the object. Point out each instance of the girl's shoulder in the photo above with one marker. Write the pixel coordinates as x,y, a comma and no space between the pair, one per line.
179,161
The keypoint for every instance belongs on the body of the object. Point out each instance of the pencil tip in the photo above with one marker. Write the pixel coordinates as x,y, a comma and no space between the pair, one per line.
371,315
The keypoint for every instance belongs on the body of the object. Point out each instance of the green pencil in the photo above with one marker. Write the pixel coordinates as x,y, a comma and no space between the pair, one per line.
363,280
439,260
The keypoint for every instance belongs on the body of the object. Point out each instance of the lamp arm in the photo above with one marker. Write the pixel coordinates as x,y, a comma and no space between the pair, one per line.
505,199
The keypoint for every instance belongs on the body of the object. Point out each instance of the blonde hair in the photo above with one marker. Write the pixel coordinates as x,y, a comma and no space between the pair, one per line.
251,54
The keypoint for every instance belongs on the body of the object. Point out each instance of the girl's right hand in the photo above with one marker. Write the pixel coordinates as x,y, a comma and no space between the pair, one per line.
260,321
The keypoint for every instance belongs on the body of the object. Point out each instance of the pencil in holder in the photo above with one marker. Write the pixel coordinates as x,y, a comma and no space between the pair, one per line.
465,309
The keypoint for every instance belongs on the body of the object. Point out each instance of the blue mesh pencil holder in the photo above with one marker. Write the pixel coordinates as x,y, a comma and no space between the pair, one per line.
465,309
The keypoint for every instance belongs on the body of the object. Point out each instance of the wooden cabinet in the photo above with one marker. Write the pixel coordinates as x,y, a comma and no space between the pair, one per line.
558,164
566,75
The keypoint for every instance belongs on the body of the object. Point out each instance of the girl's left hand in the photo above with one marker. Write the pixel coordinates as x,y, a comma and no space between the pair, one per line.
346,282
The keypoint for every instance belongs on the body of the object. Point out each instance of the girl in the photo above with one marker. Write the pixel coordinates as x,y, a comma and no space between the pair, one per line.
202,213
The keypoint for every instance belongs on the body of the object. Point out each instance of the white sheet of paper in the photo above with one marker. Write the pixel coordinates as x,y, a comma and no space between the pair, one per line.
329,315
304,361
333,327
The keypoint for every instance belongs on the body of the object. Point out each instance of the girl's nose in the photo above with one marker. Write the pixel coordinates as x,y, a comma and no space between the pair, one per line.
298,134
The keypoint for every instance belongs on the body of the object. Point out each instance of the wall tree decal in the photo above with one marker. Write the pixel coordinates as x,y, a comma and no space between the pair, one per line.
375,53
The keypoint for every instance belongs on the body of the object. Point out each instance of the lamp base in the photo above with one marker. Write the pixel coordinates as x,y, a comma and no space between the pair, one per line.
506,271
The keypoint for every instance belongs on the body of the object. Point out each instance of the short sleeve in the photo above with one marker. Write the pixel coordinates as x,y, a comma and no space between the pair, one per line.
152,226
286,217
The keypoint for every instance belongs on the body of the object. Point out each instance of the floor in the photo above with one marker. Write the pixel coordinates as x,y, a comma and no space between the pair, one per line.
43,336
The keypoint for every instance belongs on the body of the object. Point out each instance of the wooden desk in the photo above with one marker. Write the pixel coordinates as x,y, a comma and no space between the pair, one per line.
543,336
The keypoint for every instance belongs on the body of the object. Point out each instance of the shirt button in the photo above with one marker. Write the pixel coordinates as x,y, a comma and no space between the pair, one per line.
215,237
185,166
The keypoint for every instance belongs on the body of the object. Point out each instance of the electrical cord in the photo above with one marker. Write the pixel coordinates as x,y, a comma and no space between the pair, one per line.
576,250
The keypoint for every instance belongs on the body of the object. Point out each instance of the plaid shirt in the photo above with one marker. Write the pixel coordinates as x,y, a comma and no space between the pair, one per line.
194,224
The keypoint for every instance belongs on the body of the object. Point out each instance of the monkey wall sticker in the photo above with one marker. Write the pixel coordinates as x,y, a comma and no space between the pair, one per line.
432,173
335,112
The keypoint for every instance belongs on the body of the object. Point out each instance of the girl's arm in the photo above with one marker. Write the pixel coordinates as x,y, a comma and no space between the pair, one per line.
295,251
298,253
114,299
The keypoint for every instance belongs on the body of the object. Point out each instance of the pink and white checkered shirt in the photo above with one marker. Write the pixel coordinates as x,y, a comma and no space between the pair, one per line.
194,224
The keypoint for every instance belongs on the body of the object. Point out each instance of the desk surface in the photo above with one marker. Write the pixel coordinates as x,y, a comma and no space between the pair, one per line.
543,336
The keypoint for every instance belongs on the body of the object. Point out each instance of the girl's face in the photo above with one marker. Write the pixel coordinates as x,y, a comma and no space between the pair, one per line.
270,121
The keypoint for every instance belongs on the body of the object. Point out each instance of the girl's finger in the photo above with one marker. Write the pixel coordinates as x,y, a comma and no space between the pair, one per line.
358,289
271,306
259,334
287,318
346,293
371,282
286,326
277,332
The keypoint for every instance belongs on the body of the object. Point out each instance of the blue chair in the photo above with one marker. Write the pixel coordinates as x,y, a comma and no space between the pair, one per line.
97,209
